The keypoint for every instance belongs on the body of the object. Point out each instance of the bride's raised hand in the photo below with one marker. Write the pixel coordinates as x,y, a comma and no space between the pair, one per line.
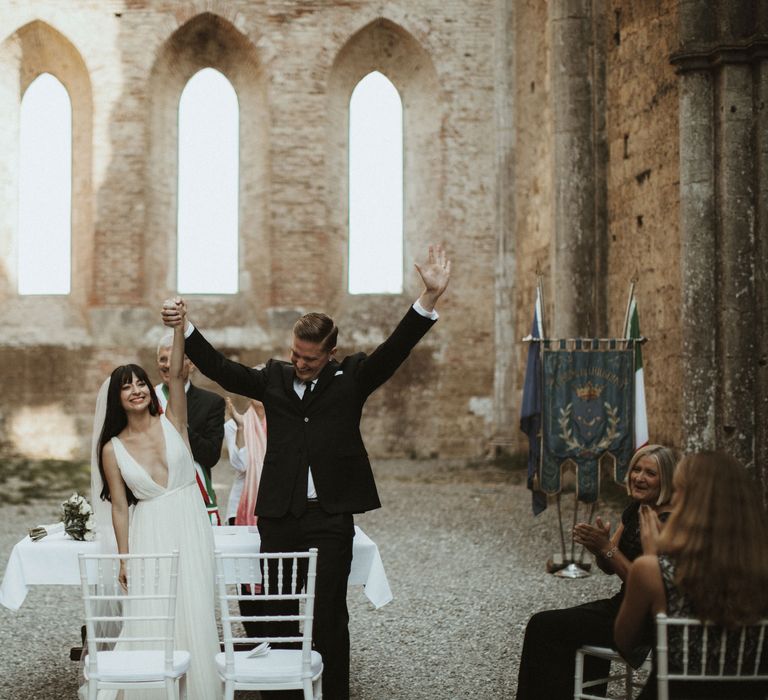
174,312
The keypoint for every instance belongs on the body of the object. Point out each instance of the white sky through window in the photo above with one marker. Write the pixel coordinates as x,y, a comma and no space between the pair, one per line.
375,187
207,229
45,188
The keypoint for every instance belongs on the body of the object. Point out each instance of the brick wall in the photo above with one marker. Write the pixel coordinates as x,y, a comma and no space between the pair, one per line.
643,237
294,65
291,64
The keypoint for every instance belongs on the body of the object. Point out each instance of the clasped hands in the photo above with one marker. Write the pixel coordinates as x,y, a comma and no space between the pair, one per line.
174,312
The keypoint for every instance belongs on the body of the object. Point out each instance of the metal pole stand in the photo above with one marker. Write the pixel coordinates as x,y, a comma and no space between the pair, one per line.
562,565
572,570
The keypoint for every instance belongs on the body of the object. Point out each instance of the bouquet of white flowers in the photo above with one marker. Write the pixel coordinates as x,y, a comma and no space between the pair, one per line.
77,516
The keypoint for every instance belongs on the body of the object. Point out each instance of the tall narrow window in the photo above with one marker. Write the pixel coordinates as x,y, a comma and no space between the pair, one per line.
207,230
45,188
375,187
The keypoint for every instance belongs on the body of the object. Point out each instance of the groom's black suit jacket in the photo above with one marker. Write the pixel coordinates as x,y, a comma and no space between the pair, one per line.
324,433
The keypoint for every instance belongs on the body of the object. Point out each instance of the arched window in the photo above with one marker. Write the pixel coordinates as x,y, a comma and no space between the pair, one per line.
207,227
45,188
375,187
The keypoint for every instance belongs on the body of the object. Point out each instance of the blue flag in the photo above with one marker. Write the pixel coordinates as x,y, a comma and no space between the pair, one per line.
530,411
587,415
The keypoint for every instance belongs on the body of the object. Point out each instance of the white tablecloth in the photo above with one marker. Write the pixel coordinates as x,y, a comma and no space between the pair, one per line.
53,561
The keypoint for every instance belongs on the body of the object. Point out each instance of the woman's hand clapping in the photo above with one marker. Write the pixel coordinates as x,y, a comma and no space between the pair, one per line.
596,538
650,527
231,412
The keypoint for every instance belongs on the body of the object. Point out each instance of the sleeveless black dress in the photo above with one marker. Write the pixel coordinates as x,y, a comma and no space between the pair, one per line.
553,636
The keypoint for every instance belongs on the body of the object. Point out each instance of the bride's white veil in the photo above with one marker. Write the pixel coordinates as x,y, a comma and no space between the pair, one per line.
102,510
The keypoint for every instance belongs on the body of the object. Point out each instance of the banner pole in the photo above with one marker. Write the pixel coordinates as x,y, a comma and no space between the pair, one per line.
573,524
590,515
625,329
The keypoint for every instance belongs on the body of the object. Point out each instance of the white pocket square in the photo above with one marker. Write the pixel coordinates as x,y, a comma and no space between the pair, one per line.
338,372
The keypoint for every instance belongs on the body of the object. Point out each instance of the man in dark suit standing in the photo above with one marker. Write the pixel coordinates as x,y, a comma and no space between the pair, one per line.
316,472
205,416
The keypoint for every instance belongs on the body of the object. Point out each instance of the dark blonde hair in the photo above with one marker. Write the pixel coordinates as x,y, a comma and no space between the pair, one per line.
317,328
665,459
718,538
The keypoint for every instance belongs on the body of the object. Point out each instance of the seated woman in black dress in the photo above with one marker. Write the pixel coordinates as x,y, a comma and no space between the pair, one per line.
553,636
712,565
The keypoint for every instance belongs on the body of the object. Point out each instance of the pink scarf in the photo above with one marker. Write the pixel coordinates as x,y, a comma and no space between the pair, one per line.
255,436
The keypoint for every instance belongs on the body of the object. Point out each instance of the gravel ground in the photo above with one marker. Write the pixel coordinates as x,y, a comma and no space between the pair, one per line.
465,560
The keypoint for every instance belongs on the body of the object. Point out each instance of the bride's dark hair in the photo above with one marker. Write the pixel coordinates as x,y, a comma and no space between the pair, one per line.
115,419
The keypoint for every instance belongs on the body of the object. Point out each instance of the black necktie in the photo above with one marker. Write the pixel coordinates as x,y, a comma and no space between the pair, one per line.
307,393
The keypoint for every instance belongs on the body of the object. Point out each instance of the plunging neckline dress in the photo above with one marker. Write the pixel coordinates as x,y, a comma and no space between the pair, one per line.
173,517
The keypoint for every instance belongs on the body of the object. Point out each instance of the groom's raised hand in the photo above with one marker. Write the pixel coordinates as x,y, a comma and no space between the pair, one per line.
174,312
435,273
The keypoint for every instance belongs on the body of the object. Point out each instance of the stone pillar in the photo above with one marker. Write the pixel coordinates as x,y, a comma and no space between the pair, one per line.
723,166
761,258
735,203
599,321
574,162
697,233
506,400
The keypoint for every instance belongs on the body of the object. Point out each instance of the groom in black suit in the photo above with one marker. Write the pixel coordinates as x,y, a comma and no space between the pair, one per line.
316,472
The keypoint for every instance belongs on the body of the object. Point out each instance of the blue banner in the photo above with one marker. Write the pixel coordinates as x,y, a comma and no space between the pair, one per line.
586,416
530,411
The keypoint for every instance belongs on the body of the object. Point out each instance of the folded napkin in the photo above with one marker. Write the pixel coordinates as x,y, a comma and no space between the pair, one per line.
259,650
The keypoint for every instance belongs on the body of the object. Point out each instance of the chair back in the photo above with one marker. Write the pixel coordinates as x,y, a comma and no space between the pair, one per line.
688,649
287,578
143,617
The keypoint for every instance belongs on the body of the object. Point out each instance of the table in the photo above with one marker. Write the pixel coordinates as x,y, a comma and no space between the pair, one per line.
53,561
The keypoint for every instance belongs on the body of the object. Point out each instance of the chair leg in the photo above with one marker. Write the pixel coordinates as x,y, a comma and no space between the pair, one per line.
578,675
229,691
628,680
183,686
170,689
93,689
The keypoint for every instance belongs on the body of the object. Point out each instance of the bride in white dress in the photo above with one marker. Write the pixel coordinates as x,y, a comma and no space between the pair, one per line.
144,460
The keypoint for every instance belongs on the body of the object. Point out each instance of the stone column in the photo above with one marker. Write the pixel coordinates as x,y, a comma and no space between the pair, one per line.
761,257
697,232
723,162
574,162
735,203
506,400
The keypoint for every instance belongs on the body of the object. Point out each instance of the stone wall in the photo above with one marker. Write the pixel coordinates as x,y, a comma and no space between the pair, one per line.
643,233
537,137
293,66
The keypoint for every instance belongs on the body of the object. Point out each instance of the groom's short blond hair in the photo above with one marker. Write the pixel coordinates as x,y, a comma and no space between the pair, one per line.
317,328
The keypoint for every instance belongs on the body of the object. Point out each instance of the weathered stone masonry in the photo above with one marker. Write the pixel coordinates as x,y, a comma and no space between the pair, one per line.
597,141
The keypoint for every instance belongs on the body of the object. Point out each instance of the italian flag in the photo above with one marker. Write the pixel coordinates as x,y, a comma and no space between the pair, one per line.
641,418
